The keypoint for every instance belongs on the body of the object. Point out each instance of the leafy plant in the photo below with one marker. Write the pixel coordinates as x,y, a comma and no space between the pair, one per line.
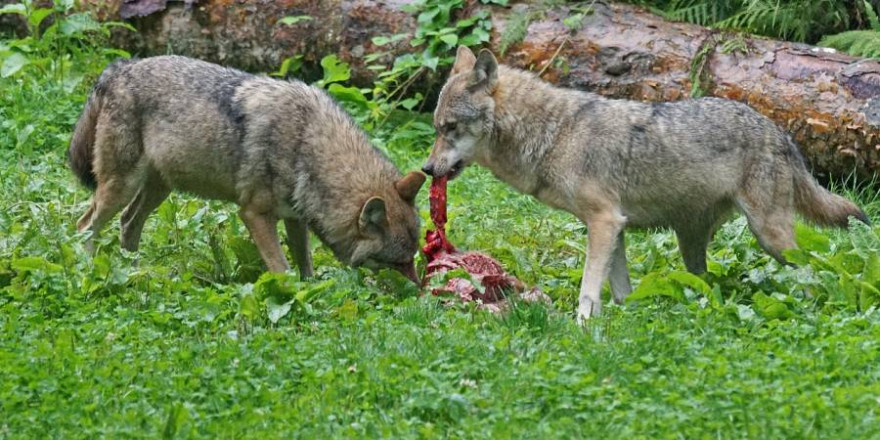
798,20
794,20
575,20
700,73
294,19
862,43
438,35
514,30
51,49
189,338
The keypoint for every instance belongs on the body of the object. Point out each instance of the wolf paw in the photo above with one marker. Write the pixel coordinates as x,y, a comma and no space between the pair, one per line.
587,309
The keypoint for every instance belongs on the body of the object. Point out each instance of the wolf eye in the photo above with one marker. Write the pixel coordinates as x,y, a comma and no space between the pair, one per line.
450,126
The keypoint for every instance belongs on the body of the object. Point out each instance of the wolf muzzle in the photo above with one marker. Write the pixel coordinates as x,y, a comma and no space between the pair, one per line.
409,271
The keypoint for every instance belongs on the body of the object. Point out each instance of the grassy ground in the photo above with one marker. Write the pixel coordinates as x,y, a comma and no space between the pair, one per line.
191,342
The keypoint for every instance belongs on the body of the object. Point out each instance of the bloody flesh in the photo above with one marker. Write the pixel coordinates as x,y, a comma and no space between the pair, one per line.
436,241
442,256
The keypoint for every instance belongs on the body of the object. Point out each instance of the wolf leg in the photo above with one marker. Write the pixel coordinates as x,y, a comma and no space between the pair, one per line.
774,230
118,167
83,221
769,208
151,195
264,231
110,197
695,233
693,244
604,229
619,275
298,242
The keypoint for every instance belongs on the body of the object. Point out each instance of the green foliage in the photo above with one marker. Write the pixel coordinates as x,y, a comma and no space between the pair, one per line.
51,49
830,22
872,16
294,19
517,25
700,73
437,36
575,19
289,66
189,338
798,20
63,50
859,43
515,29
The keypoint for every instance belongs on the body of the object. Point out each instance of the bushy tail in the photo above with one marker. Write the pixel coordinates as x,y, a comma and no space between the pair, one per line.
81,154
819,205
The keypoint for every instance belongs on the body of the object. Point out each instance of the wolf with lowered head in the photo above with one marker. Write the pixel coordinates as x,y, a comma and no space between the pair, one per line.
281,150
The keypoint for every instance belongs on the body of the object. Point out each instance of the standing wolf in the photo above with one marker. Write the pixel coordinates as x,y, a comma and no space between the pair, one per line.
280,150
616,163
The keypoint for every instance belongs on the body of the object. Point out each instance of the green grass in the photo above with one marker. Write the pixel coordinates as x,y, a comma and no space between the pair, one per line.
185,339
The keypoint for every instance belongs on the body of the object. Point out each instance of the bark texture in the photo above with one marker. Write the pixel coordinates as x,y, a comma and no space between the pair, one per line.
829,102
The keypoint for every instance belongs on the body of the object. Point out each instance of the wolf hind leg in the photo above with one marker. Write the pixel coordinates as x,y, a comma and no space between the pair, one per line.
119,170
151,194
619,274
695,234
84,220
771,218
693,244
110,197
298,242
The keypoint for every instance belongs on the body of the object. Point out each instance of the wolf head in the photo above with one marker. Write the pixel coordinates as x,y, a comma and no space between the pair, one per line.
464,118
389,229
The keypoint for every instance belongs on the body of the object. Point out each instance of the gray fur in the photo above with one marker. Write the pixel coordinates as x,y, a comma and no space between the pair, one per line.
279,149
616,163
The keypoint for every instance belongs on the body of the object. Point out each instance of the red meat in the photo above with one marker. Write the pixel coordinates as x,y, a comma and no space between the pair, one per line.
442,256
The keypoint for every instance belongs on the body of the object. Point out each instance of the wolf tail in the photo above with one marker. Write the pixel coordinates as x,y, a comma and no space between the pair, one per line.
81,153
816,203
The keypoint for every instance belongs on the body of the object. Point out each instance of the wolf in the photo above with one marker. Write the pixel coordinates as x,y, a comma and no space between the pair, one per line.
684,165
281,150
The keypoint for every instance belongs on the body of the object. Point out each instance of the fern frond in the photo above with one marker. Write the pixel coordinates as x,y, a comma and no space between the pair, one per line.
698,14
515,29
798,20
872,16
856,43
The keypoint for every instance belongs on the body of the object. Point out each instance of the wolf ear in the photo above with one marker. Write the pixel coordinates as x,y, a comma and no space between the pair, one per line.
464,60
409,185
485,72
373,217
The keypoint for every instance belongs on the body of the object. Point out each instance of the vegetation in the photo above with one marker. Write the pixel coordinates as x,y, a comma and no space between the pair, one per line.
846,25
797,20
187,339
865,43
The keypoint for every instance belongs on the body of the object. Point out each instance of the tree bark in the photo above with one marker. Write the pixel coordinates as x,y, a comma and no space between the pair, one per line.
829,102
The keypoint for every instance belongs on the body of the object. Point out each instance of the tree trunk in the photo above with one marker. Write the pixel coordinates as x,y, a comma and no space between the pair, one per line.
829,102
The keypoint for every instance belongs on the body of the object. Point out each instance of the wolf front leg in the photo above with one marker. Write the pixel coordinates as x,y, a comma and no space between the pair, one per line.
604,229
264,231
298,242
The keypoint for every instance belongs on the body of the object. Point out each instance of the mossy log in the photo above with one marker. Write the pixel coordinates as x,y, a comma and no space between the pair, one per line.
829,102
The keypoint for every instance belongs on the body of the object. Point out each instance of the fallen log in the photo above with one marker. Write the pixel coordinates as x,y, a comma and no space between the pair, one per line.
829,102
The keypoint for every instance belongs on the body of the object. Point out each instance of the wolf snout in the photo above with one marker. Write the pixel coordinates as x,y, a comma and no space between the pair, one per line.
441,168
409,270
428,169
